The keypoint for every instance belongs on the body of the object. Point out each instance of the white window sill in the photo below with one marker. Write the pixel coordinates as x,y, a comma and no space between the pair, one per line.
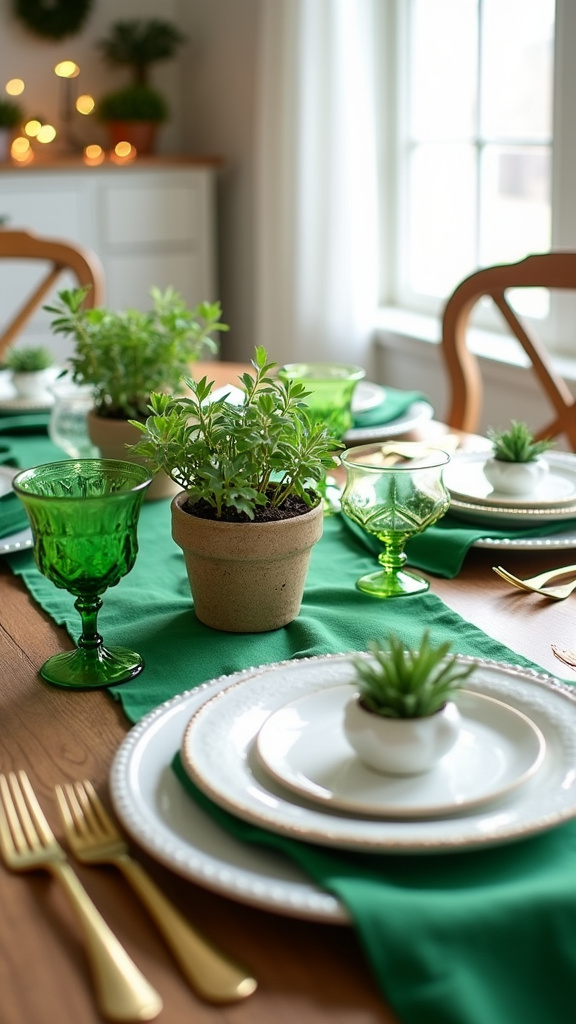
396,327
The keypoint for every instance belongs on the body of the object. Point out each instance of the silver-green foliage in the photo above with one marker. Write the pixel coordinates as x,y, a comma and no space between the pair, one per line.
409,684
127,355
516,444
239,457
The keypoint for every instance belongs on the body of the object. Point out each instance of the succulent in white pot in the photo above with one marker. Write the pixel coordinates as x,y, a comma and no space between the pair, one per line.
32,371
404,717
516,466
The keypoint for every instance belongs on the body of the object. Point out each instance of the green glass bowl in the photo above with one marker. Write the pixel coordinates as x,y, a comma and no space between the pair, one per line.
331,387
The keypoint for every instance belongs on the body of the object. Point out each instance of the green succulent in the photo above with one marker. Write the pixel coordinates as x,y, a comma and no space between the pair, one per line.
29,360
235,459
127,355
409,684
138,43
516,444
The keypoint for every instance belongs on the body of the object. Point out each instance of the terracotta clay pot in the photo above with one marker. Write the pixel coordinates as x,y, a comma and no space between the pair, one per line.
112,436
140,134
246,577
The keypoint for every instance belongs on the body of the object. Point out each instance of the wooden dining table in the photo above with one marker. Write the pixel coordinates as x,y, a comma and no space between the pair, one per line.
309,972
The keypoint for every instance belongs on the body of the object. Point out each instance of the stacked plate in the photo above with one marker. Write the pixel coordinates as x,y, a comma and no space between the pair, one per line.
267,745
474,500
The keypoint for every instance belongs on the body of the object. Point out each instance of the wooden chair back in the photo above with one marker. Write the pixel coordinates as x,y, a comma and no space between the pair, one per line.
58,256
554,270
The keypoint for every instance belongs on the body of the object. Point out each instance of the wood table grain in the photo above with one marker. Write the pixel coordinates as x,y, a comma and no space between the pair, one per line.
308,973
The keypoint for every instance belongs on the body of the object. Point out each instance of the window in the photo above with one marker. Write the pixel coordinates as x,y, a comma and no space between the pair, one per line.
476,102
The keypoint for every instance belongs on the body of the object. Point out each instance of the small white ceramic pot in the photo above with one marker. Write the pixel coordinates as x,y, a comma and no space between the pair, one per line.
515,477
400,746
34,384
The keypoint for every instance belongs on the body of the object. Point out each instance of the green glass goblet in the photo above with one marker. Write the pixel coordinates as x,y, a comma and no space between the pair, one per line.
84,515
394,493
331,389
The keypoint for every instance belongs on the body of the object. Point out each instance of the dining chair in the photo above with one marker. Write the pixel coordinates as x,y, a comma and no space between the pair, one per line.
53,257
552,270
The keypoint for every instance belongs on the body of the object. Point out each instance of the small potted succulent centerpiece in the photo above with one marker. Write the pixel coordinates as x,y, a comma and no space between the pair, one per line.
403,718
32,371
516,466
11,117
250,510
125,356
134,112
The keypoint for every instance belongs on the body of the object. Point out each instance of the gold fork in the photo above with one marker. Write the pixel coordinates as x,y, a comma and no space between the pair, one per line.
536,584
27,844
94,839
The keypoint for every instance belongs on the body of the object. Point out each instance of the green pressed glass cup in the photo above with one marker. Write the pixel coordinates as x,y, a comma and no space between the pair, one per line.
84,515
394,492
331,387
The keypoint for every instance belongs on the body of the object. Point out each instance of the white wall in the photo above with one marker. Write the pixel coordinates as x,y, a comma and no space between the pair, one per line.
210,86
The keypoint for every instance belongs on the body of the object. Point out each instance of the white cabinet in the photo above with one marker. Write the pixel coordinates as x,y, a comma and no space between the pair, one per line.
151,223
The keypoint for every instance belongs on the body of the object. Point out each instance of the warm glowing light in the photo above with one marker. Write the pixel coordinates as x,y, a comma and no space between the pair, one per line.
93,155
14,87
67,69
21,151
20,145
122,149
85,104
32,128
46,134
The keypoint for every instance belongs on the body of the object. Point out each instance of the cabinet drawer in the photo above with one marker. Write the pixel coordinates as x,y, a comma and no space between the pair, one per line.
150,214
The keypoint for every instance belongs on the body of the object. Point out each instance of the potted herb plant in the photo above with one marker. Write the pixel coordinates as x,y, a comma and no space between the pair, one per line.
124,356
133,113
250,510
11,117
403,717
32,370
516,466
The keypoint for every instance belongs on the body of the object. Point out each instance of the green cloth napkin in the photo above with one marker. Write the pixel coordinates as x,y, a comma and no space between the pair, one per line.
13,518
442,548
484,937
394,404
24,423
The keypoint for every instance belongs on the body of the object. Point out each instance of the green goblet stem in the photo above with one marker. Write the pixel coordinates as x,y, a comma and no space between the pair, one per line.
88,608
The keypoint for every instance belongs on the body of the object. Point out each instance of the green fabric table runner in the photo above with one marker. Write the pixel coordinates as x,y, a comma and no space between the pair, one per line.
476,938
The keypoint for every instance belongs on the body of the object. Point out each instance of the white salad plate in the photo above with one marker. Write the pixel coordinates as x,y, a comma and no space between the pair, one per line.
304,748
367,395
465,479
503,517
564,541
222,762
416,414
23,538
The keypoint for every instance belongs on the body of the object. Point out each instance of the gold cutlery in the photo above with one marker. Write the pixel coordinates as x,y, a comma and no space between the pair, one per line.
94,839
564,655
537,584
28,844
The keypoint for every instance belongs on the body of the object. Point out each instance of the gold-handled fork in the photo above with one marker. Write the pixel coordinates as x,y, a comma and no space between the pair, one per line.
94,839
537,584
28,844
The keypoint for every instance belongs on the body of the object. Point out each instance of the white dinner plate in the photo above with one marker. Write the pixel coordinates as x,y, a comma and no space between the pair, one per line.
506,518
222,762
417,413
156,811
367,396
23,538
12,406
466,481
303,746
564,541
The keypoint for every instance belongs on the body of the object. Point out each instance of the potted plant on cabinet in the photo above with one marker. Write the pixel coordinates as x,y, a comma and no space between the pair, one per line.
125,356
32,370
250,511
133,113
11,117
516,466
403,718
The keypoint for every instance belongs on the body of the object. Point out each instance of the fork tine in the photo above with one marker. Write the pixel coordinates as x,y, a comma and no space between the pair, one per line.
35,818
94,808
12,837
23,833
